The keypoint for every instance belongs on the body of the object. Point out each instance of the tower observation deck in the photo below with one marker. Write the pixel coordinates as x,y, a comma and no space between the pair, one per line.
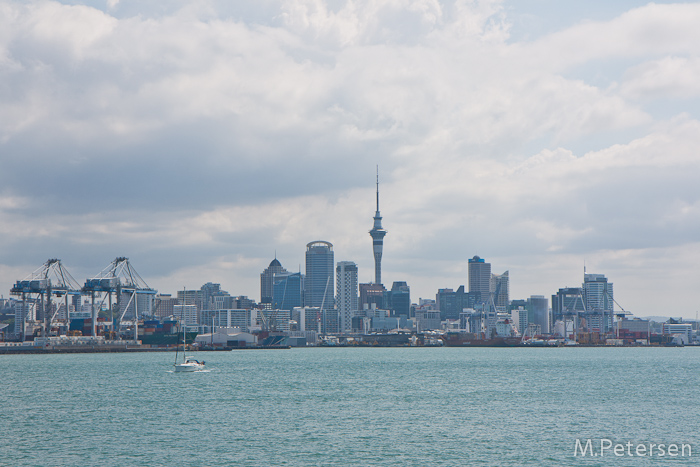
377,233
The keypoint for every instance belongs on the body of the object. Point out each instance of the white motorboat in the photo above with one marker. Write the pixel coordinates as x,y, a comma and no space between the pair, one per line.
189,364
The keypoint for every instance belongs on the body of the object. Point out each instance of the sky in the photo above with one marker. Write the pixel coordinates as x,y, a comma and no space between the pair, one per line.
201,139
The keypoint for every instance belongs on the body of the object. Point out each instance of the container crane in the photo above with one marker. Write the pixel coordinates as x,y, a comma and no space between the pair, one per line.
51,279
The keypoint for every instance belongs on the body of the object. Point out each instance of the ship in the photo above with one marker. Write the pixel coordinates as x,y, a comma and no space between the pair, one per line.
468,339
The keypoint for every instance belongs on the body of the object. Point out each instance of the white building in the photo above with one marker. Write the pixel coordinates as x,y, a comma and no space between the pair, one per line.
226,337
520,320
427,320
186,314
684,329
230,318
346,293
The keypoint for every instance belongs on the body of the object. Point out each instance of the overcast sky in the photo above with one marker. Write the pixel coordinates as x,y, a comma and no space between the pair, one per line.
198,138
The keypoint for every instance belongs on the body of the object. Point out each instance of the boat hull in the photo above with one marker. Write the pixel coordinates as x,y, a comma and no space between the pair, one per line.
188,367
470,340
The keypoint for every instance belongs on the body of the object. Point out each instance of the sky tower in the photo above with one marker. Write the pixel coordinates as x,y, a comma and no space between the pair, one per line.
377,233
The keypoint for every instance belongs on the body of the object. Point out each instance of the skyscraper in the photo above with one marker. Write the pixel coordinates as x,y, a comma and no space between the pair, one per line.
287,291
266,280
597,292
400,299
346,295
500,286
479,279
377,233
598,297
318,286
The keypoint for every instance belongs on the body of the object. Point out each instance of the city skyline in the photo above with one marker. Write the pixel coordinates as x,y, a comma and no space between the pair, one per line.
200,139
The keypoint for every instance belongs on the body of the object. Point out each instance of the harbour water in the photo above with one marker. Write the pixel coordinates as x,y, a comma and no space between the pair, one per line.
350,406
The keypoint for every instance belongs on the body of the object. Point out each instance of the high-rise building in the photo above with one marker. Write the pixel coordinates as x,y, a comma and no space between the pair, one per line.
400,299
266,278
597,292
346,295
499,287
598,297
451,303
372,293
287,291
567,303
319,286
164,304
377,233
539,307
479,279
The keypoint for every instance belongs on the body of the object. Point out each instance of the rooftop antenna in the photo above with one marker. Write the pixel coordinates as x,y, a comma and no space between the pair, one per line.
377,187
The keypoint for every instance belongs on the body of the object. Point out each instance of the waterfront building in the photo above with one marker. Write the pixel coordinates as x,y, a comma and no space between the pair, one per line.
377,233
227,337
266,280
382,322
427,320
287,291
230,318
319,285
684,329
479,279
347,299
277,320
400,299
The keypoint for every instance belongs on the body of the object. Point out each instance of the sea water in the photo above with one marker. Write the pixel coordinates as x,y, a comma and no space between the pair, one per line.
351,406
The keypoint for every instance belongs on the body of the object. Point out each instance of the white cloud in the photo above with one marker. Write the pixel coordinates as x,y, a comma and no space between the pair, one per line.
669,77
197,143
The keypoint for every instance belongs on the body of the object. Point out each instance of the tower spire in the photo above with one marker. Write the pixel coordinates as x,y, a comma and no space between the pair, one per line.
377,188
377,233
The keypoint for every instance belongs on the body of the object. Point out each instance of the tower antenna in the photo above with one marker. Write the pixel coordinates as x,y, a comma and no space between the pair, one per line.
377,187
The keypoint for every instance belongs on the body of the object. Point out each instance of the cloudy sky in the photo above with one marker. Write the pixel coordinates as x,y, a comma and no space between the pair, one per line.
198,138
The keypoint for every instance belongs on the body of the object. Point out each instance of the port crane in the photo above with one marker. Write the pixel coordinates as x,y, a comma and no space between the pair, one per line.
51,279
118,278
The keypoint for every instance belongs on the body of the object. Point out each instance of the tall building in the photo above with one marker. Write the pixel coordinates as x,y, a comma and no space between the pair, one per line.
598,297
451,303
377,233
164,304
400,299
597,292
479,279
567,303
346,294
319,286
499,287
539,307
287,291
209,291
371,293
266,278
